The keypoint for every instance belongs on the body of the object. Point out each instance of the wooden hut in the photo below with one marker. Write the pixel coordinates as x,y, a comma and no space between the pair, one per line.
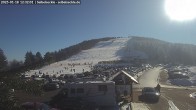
123,84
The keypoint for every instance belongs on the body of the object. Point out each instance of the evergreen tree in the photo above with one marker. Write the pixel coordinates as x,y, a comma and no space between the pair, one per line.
3,60
15,64
29,58
38,57
49,57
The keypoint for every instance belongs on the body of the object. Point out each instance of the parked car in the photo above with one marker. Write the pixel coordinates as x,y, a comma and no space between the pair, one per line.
34,106
193,95
51,86
150,94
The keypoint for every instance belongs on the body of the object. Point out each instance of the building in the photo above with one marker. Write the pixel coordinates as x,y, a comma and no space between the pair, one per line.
123,83
101,93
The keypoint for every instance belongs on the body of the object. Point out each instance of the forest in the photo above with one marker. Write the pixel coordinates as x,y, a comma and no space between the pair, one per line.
159,51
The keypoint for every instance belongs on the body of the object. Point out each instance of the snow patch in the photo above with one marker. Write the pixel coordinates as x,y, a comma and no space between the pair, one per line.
139,106
190,81
193,95
172,105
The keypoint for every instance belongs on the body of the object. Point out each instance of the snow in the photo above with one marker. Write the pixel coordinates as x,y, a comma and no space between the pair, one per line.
60,68
111,50
193,95
130,52
103,51
139,106
191,81
192,68
114,49
172,105
125,107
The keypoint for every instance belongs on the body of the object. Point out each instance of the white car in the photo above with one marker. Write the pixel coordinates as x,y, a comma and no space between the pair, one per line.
193,95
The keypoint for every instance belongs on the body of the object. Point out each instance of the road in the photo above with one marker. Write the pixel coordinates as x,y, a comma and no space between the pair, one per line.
150,78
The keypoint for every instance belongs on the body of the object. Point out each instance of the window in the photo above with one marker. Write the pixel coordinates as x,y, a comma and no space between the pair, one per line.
102,87
80,90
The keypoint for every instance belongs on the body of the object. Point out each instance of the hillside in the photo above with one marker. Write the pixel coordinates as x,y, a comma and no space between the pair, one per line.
124,49
102,51
164,52
152,50
63,54
107,50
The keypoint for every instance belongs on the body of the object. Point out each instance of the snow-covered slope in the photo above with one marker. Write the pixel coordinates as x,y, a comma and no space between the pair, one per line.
114,49
103,51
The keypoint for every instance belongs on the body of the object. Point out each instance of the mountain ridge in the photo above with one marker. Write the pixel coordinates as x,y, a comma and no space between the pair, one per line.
165,52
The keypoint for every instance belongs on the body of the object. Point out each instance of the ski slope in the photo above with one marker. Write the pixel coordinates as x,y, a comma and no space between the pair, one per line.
114,49
102,51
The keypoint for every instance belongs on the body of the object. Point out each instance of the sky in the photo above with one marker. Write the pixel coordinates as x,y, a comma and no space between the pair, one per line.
46,28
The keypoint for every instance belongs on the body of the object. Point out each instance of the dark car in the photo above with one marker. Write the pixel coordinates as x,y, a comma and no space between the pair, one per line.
34,106
51,86
150,94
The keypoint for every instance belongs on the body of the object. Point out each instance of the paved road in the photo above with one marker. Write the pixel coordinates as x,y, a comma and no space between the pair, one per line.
149,78
172,97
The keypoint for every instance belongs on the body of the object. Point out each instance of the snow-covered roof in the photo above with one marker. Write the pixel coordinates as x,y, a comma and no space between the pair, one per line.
89,82
128,75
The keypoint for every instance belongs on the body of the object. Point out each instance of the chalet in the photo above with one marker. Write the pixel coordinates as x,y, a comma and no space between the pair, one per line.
123,83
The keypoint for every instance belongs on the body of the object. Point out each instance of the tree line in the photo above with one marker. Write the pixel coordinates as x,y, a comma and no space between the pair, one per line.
164,52
33,61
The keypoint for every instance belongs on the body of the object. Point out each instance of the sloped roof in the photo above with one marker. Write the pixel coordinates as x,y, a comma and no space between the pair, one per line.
125,73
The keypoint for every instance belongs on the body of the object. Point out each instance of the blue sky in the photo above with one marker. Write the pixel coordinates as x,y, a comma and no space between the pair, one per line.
52,27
